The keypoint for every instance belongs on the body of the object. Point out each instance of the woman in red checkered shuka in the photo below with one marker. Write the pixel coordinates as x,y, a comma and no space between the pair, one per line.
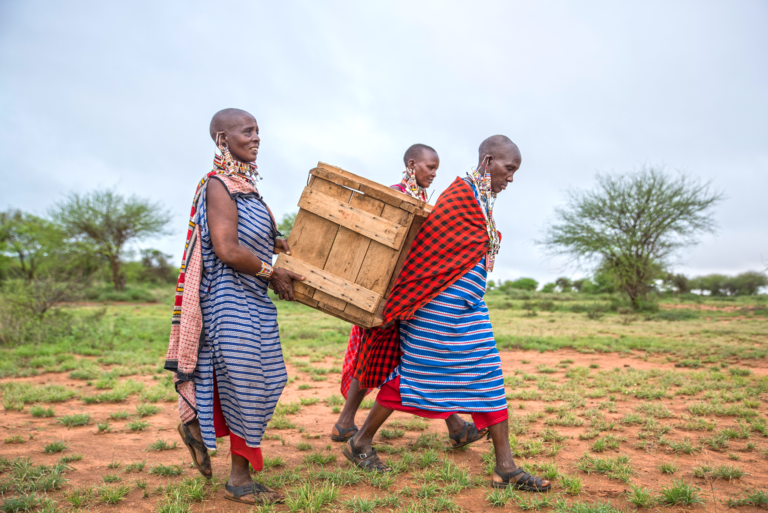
421,163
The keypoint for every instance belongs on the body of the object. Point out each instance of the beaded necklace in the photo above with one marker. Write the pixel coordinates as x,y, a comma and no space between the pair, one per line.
224,163
481,181
412,187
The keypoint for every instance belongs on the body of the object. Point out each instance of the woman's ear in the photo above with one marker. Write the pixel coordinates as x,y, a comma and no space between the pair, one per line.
221,139
411,164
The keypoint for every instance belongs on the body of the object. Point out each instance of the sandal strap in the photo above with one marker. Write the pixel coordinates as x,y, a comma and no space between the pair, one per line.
465,433
343,431
239,491
190,440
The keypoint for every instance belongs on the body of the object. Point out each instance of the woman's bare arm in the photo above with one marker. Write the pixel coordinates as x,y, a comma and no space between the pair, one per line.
222,222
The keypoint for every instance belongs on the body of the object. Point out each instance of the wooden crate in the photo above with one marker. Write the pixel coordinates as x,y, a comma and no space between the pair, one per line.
349,241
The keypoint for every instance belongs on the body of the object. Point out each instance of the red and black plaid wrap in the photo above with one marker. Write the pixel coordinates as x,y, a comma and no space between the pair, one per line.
450,242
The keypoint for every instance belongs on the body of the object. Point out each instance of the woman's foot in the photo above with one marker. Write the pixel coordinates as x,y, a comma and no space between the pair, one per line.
468,434
193,439
242,488
519,479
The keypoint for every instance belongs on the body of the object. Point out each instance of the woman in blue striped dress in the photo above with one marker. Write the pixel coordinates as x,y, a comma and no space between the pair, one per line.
240,372
449,360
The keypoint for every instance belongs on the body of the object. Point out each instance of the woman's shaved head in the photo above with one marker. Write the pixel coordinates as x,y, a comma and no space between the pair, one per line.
228,119
238,131
496,146
503,159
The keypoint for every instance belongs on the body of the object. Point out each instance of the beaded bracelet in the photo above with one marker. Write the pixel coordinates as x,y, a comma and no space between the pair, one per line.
266,271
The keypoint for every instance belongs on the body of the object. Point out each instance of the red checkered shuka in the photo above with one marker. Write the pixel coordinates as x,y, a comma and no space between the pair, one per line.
350,359
450,242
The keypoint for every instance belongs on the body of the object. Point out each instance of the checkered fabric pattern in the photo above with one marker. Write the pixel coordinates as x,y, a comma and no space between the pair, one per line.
450,242
350,359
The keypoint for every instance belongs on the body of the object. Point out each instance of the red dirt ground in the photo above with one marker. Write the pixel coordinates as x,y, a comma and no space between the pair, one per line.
121,445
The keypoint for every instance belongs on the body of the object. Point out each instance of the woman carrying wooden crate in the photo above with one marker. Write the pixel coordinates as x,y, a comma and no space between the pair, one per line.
436,354
421,163
225,344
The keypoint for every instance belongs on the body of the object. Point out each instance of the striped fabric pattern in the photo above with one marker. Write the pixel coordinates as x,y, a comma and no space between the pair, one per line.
450,361
242,341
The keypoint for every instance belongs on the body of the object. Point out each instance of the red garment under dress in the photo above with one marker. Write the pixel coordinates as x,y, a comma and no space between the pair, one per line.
237,445
389,397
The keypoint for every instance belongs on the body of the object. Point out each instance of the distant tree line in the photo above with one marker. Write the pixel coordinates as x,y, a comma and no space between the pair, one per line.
46,260
748,283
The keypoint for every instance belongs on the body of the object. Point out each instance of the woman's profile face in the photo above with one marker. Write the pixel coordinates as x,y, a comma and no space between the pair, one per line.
243,139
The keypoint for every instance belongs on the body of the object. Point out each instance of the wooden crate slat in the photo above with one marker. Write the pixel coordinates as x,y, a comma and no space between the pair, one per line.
330,284
360,221
338,172
312,236
380,260
349,249
417,221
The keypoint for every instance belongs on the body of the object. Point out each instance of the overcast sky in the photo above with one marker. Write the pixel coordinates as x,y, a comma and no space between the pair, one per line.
120,94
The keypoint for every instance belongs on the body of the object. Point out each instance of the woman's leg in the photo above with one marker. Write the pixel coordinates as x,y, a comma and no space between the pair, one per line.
355,397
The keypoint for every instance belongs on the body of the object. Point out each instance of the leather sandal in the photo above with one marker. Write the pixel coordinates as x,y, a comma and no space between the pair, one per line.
468,435
204,467
261,494
526,482
369,461
344,433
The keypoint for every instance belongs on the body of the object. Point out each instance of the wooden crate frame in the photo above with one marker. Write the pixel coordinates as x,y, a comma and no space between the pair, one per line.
349,241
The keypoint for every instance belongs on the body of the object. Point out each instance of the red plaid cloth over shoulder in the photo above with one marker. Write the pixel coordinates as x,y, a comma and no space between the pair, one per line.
450,242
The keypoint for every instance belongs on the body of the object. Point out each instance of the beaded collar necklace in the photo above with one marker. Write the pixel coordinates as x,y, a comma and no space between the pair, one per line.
481,181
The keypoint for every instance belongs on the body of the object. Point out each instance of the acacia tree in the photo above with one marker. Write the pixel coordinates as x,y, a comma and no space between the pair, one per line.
631,225
109,221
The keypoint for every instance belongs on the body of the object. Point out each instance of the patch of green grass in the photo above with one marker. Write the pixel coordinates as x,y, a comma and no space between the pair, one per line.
304,446
311,497
78,419
669,467
728,472
319,458
119,415
137,466
640,497
103,427
680,446
18,394
145,410
571,484
288,408
24,477
110,478
114,464
137,425
79,497
166,470
309,401
680,493
162,445
41,412
390,434
412,424
69,458
15,439
615,468
112,494
305,386
755,497
54,447
655,410
280,422
608,442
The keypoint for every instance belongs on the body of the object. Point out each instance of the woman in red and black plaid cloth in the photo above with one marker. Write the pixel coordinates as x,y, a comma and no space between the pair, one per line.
435,354
421,163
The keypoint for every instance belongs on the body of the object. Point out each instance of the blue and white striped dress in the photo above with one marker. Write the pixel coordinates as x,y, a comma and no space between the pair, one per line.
450,362
242,341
